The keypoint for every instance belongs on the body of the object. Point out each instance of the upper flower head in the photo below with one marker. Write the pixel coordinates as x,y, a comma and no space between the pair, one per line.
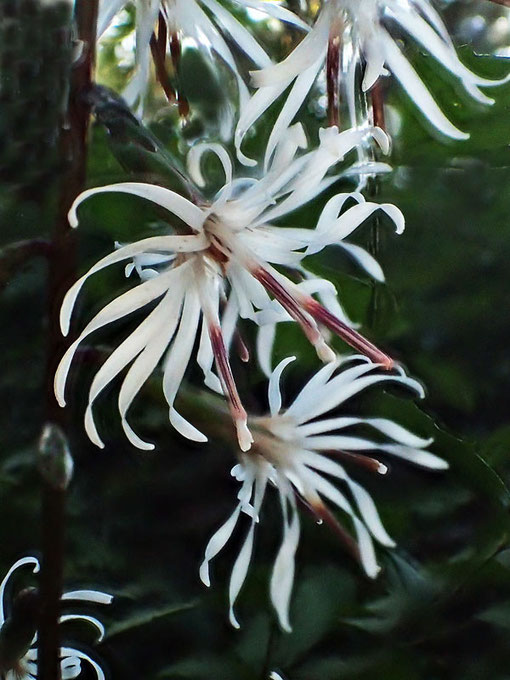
361,30
205,22
288,452
18,636
221,269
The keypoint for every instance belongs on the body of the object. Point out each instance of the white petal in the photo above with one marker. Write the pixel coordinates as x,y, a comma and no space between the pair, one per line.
369,514
265,340
195,156
69,651
165,243
413,85
217,542
107,10
397,432
366,548
416,456
89,619
188,212
308,51
365,260
177,361
274,394
295,99
274,10
116,362
94,596
282,577
239,572
350,382
121,306
327,425
258,104
19,563
149,358
240,568
318,397
239,34
443,52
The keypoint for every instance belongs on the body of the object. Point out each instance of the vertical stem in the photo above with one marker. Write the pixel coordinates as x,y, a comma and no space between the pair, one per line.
62,266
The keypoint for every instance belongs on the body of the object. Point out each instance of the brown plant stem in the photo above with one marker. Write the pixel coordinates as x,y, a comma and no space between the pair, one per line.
62,271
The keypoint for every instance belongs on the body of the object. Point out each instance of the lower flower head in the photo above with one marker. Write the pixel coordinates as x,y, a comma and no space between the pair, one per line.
297,452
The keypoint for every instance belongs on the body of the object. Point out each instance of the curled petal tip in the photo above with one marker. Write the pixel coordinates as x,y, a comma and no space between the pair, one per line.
204,574
72,217
382,140
233,621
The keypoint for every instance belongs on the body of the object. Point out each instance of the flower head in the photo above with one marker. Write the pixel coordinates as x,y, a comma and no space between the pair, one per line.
353,34
289,453
206,22
18,624
220,269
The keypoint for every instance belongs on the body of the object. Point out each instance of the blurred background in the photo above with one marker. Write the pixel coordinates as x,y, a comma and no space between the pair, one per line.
137,523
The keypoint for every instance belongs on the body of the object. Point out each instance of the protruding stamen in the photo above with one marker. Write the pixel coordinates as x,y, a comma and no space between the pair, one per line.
293,307
175,51
324,514
332,80
158,50
242,349
377,97
229,387
348,335
367,462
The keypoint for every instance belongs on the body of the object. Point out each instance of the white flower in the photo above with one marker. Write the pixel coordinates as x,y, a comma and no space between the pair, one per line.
204,21
288,453
361,31
25,668
224,260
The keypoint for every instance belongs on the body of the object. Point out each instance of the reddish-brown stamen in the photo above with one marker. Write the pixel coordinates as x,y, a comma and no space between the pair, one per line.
158,50
332,80
348,335
162,35
229,387
323,513
377,96
366,462
242,349
175,51
289,303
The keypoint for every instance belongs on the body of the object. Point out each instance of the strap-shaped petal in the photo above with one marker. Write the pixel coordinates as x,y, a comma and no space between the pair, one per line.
169,200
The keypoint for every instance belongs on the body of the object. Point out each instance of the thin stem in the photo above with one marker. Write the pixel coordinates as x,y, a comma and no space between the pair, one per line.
62,271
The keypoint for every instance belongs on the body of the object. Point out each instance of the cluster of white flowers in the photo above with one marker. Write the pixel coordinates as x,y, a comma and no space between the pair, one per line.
18,663
229,259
